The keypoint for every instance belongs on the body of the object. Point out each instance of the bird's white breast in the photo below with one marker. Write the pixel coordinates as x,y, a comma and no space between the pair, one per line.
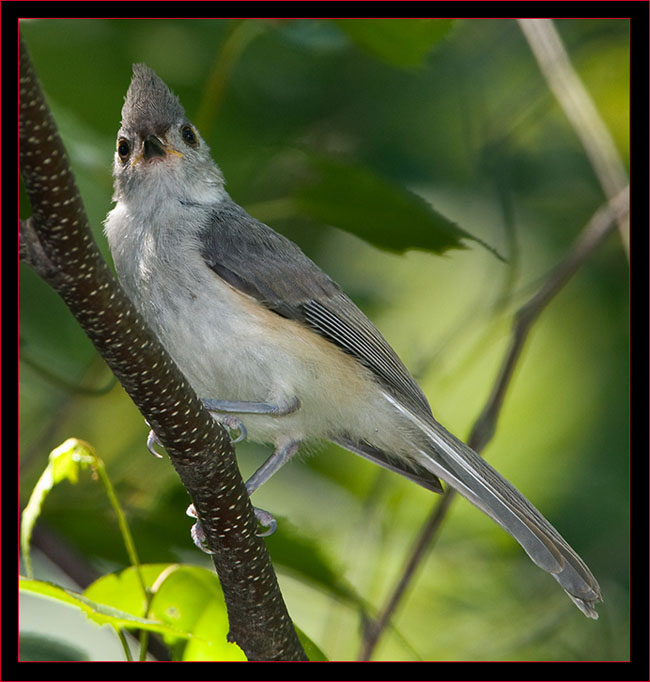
227,344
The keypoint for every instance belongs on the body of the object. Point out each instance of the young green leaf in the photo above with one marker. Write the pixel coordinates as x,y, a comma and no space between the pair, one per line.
102,614
187,598
63,463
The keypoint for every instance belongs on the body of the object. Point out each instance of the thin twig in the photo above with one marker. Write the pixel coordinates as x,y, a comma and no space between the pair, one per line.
565,83
591,236
588,240
421,547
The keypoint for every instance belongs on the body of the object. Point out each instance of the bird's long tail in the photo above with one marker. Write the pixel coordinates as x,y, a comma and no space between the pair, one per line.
458,465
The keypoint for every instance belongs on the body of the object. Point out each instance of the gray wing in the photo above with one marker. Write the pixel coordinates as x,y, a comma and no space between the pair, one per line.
267,266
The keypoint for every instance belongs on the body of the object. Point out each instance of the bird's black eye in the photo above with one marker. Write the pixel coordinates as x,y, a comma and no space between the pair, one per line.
123,149
189,136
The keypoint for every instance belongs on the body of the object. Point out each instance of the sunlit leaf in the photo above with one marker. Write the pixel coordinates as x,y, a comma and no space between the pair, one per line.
63,463
102,614
187,598
122,590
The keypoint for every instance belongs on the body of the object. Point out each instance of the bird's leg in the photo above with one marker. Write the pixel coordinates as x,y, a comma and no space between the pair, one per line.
281,455
222,411
249,407
275,462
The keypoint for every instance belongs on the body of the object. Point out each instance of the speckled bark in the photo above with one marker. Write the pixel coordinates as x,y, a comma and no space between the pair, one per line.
56,241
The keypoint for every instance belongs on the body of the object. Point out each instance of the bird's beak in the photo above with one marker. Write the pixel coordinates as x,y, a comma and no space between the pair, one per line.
153,147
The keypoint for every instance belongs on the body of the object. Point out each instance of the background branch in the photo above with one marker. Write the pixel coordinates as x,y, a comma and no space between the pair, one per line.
591,236
573,97
599,146
57,243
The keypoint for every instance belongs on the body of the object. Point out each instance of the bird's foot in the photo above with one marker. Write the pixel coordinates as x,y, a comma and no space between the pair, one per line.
199,538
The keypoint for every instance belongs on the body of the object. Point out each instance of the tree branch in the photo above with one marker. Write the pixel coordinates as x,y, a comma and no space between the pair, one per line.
592,235
56,241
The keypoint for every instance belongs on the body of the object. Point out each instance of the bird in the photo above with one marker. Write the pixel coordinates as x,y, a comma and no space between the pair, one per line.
270,343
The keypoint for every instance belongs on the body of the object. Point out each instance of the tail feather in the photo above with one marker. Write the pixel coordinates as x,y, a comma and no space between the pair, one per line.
458,465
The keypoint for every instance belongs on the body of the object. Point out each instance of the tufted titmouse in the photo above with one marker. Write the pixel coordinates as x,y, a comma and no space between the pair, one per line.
270,343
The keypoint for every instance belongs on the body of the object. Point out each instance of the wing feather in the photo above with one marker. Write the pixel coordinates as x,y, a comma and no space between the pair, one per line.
267,266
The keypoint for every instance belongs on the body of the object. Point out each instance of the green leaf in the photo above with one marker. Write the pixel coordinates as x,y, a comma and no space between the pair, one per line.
102,614
63,464
123,590
401,42
188,599
359,201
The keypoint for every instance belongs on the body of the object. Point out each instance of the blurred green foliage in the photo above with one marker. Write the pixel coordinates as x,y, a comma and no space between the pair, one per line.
458,114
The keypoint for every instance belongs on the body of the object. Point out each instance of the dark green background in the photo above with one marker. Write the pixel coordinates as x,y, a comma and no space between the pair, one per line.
458,113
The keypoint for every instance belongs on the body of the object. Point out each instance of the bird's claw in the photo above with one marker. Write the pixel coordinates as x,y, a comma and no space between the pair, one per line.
152,441
199,539
232,423
267,520
264,518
